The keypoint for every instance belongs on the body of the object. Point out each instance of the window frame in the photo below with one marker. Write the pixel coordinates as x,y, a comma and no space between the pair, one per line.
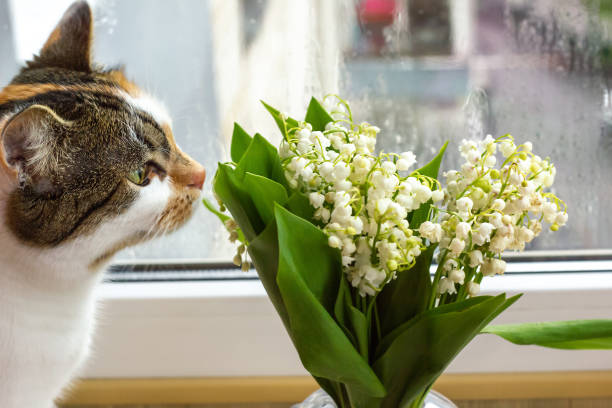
229,328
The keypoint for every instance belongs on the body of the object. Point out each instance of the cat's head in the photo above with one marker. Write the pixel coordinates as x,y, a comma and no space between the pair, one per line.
85,155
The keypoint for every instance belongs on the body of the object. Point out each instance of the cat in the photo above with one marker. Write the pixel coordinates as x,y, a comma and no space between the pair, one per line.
88,166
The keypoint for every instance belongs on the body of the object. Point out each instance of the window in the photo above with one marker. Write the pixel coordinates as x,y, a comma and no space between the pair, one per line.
425,71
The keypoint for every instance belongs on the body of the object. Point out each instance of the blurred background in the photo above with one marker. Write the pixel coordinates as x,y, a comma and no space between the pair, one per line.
424,71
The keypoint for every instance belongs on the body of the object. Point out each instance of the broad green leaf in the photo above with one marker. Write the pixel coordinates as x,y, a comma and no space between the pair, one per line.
431,169
330,387
317,116
352,320
304,247
419,354
299,205
406,296
240,142
284,125
308,279
238,201
453,307
263,251
264,193
222,217
261,158
571,334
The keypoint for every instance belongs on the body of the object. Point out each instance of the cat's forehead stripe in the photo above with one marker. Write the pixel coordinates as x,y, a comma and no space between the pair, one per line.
148,104
104,97
21,92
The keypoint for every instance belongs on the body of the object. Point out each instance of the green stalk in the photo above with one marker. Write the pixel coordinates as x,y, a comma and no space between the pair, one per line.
377,322
341,393
434,285
462,294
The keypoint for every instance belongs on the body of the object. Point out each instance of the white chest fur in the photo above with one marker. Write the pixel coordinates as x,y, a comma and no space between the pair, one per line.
46,322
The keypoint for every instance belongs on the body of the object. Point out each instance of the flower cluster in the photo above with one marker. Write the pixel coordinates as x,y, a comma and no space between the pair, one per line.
241,257
488,209
361,198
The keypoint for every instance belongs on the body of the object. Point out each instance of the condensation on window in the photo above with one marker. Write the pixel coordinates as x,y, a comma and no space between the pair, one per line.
424,71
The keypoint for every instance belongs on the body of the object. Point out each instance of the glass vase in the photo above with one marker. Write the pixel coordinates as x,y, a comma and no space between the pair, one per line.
320,399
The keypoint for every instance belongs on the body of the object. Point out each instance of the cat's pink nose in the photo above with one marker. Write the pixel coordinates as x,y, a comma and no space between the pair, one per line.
197,178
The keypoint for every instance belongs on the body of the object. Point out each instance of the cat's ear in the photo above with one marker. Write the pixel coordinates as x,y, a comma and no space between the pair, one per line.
27,148
69,45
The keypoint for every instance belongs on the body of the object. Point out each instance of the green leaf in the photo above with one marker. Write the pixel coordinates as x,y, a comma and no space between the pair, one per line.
298,241
317,116
222,217
263,251
240,142
572,334
299,205
261,158
309,285
264,193
391,337
406,296
426,346
352,320
431,169
236,198
284,125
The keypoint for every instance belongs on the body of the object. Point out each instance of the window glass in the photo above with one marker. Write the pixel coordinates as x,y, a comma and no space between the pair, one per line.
424,71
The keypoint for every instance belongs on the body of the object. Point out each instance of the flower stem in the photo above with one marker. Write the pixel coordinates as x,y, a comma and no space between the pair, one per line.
434,285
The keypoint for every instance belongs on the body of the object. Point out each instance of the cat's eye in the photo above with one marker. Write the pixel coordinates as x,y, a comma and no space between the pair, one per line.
140,176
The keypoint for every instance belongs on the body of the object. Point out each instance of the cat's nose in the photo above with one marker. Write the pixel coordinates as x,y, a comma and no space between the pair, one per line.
197,177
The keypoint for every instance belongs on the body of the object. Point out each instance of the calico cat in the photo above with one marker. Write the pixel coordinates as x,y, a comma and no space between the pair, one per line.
88,166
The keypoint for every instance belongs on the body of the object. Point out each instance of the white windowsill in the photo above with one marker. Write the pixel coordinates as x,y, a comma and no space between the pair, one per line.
229,328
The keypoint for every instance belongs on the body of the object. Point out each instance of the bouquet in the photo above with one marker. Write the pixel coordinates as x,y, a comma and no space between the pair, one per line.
343,239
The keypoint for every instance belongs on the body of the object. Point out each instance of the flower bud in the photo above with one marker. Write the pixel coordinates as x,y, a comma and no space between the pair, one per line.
437,195
493,266
230,224
456,246
462,230
334,242
446,286
475,258
457,276
392,265
237,260
316,199
465,204
498,204
484,185
473,289
561,219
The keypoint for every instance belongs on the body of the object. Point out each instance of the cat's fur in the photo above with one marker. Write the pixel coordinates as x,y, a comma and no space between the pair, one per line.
70,134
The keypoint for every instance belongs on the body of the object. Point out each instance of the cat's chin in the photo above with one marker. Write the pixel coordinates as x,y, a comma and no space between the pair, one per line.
176,214
179,210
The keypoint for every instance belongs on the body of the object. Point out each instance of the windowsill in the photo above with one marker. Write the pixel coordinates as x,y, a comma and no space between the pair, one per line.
230,329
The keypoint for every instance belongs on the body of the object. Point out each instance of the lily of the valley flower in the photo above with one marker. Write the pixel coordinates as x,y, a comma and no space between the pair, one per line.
363,200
